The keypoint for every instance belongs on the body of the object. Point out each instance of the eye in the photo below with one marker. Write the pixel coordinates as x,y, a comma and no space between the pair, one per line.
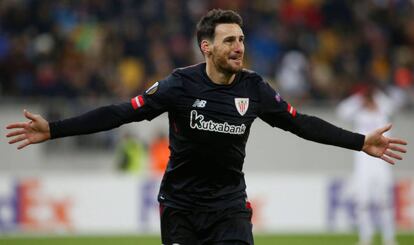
229,39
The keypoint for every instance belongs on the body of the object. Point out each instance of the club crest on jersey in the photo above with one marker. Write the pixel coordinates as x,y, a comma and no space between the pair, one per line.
242,104
152,89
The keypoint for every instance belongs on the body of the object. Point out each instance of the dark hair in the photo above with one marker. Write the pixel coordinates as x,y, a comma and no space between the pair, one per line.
207,25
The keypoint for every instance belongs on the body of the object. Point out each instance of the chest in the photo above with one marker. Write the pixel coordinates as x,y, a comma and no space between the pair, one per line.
212,113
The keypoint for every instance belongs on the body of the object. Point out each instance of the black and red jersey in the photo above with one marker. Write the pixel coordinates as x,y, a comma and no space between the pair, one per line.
209,125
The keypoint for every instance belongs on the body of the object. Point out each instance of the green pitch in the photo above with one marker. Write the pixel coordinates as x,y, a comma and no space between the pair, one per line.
407,239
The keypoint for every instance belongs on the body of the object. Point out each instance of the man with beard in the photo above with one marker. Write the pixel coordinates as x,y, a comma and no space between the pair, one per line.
211,107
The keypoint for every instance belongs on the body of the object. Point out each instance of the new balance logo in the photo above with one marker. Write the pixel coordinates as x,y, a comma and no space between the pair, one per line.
200,103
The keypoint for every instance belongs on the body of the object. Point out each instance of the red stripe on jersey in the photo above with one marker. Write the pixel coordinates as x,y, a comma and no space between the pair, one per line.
291,110
137,102
248,205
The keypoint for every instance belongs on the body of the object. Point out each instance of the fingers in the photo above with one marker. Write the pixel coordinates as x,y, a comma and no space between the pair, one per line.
388,160
397,148
385,129
16,125
398,141
29,115
393,155
24,144
389,155
15,133
17,139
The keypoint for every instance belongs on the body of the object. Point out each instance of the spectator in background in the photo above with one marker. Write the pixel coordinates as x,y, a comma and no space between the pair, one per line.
293,76
402,90
159,154
372,178
131,155
75,48
265,49
131,74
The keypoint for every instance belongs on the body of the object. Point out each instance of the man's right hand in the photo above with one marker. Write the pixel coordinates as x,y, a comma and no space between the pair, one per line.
32,132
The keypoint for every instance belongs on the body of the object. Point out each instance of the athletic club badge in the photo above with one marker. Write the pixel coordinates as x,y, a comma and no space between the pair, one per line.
242,104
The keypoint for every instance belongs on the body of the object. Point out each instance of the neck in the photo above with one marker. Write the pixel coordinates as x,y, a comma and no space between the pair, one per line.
217,76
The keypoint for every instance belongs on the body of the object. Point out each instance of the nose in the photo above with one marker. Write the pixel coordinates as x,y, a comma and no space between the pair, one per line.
238,47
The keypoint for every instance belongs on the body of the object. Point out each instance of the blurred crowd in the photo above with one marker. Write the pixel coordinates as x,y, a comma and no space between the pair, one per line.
308,49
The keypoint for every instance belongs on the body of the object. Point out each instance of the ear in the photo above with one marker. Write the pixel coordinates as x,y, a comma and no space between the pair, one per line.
205,47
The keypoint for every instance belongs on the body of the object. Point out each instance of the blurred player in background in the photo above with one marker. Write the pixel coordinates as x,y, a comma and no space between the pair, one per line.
372,179
211,107
131,154
159,154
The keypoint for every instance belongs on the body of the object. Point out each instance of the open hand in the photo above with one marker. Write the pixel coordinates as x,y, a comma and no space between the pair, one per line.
378,145
32,132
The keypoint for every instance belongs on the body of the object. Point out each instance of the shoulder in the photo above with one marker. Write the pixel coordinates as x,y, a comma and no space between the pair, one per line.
251,76
171,81
167,85
192,70
255,84
253,80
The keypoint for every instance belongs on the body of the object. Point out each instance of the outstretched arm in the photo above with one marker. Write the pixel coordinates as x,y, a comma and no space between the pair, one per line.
32,132
378,145
278,113
318,130
100,119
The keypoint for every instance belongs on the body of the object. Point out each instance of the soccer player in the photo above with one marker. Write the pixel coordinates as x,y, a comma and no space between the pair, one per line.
211,107
372,178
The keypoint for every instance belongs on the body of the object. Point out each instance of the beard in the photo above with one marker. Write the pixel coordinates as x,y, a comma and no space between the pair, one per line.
225,65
